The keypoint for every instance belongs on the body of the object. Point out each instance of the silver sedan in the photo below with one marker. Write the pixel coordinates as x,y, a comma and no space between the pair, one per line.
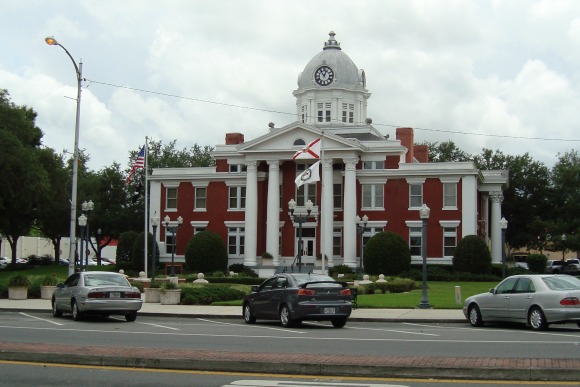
96,292
536,299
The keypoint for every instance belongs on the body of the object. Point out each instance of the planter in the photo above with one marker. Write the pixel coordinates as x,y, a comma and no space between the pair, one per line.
46,291
170,297
152,295
18,293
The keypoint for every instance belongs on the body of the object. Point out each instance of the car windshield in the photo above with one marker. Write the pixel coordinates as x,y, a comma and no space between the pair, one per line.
105,280
562,283
303,278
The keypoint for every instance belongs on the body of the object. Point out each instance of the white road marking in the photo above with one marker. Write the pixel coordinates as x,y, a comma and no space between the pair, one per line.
491,330
153,325
251,326
282,383
41,319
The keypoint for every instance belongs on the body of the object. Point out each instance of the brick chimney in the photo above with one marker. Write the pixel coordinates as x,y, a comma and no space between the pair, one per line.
422,153
405,135
234,138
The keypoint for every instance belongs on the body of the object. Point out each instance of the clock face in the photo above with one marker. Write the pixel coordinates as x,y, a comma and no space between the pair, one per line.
324,75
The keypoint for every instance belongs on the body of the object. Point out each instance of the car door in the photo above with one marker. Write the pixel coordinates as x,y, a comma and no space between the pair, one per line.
497,306
262,301
521,299
64,294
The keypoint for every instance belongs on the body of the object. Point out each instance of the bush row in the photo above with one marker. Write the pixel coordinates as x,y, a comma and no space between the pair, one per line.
207,294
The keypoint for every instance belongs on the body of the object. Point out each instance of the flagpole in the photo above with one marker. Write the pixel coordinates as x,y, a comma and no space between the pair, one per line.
322,230
146,209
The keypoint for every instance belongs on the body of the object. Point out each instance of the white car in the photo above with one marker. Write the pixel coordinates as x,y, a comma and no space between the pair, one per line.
4,261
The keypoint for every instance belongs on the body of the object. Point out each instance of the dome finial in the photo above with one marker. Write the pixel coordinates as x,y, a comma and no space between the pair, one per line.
332,43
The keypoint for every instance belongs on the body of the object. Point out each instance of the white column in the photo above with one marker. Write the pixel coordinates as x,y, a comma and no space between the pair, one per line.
273,215
327,212
349,231
251,223
496,200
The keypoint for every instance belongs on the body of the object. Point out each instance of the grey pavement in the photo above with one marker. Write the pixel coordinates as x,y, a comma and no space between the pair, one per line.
516,369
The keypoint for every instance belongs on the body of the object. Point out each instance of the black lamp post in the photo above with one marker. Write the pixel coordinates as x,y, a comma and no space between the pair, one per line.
87,209
154,224
563,247
424,214
173,230
73,200
361,226
503,223
299,218
82,225
99,246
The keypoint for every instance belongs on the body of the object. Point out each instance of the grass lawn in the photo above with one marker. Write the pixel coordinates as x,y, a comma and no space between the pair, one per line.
441,294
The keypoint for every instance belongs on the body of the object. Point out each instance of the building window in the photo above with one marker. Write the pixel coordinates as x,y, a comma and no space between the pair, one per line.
415,237
237,198
198,229
304,113
337,196
449,241
372,196
169,243
449,195
171,198
236,240
306,191
336,242
236,168
373,165
415,195
324,112
348,112
200,198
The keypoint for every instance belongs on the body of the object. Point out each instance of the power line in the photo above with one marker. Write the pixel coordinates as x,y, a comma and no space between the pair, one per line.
294,114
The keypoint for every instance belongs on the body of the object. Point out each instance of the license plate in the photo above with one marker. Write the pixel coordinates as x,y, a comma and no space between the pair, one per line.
114,295
329,310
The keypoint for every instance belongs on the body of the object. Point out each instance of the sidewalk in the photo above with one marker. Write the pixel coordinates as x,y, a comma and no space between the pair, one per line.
536,369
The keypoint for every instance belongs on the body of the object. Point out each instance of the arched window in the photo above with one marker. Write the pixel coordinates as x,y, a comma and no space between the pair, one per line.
299,142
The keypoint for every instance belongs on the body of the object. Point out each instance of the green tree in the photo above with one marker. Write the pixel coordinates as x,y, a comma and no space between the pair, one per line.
472,256
386,253
139,251
23,180
446,151
125,247
566,206
206,252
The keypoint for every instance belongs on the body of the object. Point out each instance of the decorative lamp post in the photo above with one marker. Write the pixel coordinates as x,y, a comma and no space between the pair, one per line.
173,230
299,218
361,226
503,223
99,232
82,225
73,201
424,215
87,208
563,247
154,224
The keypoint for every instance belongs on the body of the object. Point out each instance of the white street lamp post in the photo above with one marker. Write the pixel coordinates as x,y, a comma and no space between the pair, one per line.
300,218
361,225
503,223
173,230
154,224
73,201
82,225
424,214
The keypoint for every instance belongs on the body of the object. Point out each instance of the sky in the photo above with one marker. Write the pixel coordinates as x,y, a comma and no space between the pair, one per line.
502,75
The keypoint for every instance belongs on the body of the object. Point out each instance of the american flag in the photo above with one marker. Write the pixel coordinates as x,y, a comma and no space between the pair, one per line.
139,163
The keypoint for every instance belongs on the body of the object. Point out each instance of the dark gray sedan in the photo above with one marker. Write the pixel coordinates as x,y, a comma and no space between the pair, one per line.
535,299
96,292
294,297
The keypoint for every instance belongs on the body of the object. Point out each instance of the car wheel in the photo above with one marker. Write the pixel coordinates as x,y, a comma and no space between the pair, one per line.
537,319
475,316
285,318
249,317
339,322
55,311
131,316
578,323
76,314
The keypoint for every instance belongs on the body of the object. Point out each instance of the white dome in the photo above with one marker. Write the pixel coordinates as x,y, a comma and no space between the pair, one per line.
346,74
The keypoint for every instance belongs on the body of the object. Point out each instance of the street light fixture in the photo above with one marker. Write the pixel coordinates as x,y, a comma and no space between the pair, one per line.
73,201
172,229
299,218
563,247
361,226
503,224
424,215
154,224
82,225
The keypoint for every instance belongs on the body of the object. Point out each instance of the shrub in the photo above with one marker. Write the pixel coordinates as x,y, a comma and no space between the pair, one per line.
155,284
125,247
472,256
537,263
49,280
138,251
386,253
138,285
19,280
207,294
205,253
242,271
169,285
340,269
43,260
394,285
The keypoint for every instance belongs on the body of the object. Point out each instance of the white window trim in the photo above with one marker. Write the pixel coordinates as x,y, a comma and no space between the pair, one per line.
195,208
447,208
450,223
375,208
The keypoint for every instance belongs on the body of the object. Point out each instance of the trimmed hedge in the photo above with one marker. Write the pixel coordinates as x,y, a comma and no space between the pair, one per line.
387,253
394,285
207,294
537,263
206,253
229,280
472,256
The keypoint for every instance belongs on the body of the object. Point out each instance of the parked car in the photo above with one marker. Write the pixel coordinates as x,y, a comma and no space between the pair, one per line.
573,265
536,299
4,261
570,266
294,297
96,292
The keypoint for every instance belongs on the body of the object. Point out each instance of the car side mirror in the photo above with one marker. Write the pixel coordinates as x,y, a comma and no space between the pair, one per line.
492,291
255,288
60,285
